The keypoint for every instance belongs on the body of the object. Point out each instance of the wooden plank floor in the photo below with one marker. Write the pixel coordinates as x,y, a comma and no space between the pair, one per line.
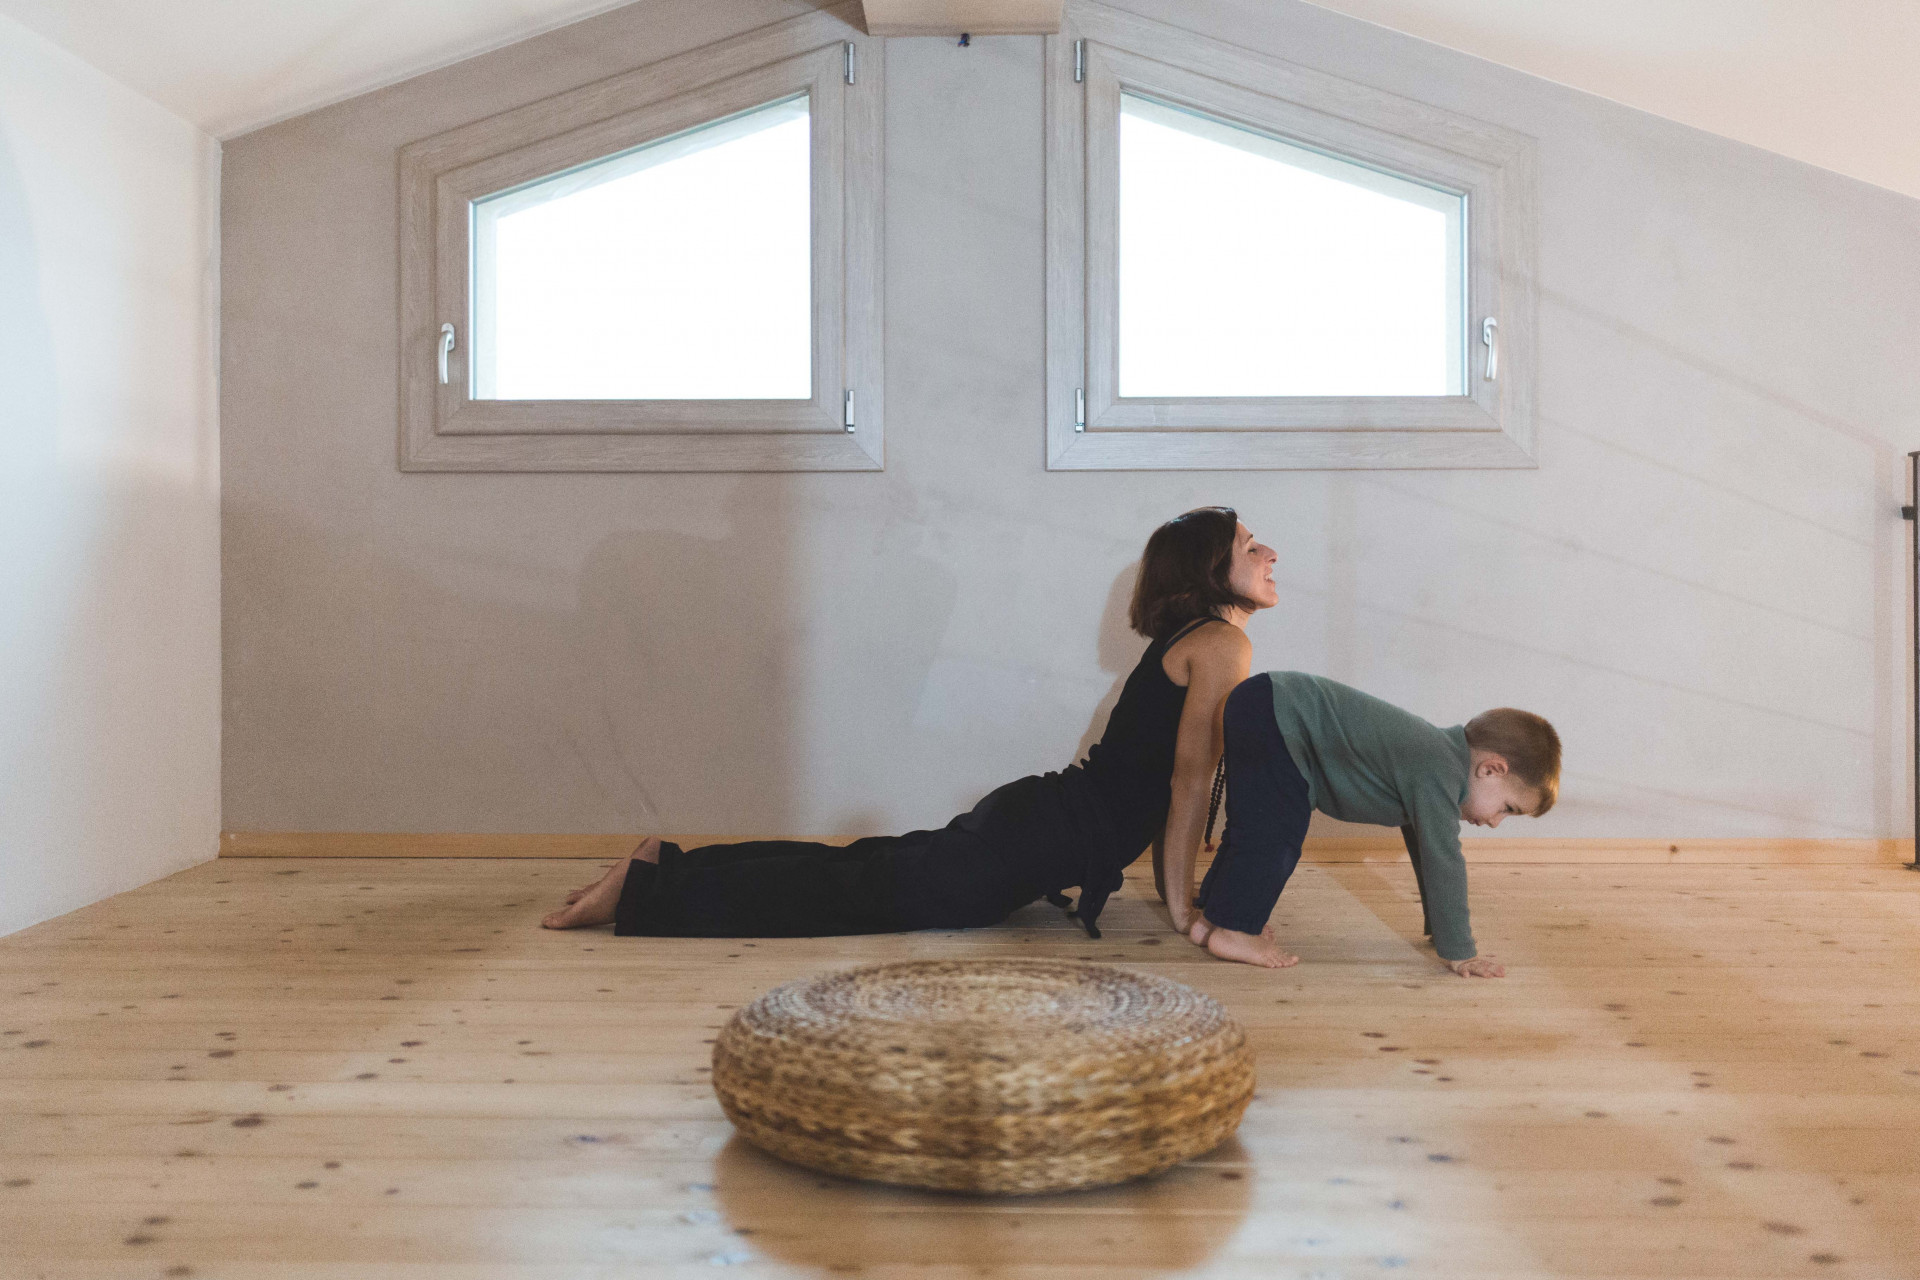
343,1070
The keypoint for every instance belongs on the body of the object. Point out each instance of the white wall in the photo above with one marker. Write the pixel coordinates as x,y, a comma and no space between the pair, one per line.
109,486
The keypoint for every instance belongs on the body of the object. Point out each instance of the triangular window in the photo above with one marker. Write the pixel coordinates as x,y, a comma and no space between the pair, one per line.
680,270
1251,264
677,269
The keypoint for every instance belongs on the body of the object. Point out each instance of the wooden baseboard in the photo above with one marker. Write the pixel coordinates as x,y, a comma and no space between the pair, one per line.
1600,851
443,844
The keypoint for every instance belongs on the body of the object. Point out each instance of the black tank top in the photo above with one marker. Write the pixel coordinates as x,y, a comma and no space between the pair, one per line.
1132,764
1129,772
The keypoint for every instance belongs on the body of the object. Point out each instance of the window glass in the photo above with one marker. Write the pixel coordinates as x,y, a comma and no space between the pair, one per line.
1249,266
679,270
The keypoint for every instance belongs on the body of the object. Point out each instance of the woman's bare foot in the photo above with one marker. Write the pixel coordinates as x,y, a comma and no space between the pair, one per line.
595,904
575,895
1247,948
647,850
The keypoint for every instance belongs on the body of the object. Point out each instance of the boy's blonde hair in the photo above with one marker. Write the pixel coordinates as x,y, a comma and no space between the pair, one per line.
1528,744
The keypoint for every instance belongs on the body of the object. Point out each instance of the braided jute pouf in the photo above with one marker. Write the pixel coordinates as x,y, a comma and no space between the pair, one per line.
989,1076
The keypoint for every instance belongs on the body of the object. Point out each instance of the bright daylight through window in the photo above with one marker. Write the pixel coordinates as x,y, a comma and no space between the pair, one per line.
679,270
1253,267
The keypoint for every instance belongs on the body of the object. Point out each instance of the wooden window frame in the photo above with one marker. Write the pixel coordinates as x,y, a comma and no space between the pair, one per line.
1101,53
443,429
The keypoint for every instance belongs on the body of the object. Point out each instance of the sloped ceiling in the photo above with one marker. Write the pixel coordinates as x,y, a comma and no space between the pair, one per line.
1835,83
234,65
1831,82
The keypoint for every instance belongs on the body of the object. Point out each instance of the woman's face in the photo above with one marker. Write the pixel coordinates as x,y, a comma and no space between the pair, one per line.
1251,574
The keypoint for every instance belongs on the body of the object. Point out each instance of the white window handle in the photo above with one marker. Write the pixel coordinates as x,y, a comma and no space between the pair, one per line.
446,349
1489,335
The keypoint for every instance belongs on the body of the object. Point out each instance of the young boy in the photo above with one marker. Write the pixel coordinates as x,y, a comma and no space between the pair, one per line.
1296,743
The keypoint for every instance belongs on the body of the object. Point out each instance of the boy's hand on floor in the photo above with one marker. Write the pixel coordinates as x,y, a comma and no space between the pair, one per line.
1478,967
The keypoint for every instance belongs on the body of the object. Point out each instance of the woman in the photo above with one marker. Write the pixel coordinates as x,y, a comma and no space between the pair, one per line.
1146,781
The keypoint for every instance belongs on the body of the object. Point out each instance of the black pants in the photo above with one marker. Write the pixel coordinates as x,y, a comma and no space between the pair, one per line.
1267,814
1014,847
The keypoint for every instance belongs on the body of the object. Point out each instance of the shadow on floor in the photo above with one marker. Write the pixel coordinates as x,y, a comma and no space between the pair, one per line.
1175,1220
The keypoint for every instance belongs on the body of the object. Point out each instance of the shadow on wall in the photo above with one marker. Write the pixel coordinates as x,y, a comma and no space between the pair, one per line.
1120,648
878,608
453,694
684,675
691,686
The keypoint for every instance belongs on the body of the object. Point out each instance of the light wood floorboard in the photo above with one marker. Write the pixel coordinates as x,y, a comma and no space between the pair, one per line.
344,1069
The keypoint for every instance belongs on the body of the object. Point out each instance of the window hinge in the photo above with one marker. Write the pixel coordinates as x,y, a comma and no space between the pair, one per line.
1490,338
1079,408
1079,61
846,419
447,341
849,62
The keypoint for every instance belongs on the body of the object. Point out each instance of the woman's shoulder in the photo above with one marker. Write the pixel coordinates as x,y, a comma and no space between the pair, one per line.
1217,647
1216,636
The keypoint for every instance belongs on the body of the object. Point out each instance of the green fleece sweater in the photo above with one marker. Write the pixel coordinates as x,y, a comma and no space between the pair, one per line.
1366,760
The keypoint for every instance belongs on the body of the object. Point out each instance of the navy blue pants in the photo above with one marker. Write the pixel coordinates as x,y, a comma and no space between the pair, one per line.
1267,813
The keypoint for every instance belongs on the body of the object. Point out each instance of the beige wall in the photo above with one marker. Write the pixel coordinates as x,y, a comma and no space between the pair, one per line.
1701,584
109,487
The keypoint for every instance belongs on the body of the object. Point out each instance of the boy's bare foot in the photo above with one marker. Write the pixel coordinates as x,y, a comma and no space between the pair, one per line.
596,903
647,850
1202,928
1247,948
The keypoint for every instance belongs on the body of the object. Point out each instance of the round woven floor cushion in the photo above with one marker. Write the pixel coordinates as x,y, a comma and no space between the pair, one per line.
990,1076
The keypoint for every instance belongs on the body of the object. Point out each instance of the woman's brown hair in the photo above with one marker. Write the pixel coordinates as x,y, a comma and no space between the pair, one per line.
1183,573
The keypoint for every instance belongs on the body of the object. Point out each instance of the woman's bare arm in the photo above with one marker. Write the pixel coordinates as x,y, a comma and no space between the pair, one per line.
1216,659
